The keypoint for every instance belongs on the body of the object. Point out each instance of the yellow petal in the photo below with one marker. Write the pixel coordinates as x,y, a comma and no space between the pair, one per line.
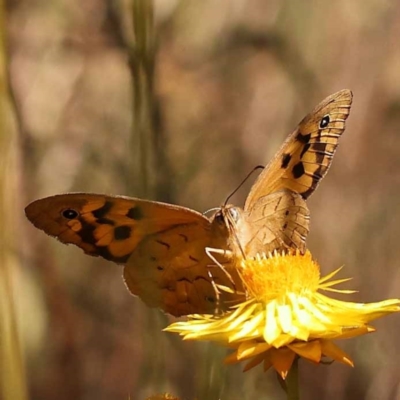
246,349
310,350
231,358
282,340
267,364
254,350
362,330
285,318
281,360
254,362
329,349
331,275
271,331
250,328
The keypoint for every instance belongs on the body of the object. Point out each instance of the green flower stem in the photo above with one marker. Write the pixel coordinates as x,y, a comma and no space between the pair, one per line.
292,381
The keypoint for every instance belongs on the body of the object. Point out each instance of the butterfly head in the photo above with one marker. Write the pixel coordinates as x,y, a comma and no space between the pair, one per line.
229,220
227,216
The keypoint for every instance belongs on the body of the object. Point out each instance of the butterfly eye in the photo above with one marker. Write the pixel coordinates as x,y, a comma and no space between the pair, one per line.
324,121
69,213
219,217
234,214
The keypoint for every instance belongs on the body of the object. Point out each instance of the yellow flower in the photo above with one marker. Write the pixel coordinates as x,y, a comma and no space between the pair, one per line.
285,315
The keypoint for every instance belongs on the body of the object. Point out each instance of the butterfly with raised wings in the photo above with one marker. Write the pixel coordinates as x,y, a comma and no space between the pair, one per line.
170,253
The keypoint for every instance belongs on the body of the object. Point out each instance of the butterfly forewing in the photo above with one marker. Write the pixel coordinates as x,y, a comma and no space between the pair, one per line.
306,155
107,226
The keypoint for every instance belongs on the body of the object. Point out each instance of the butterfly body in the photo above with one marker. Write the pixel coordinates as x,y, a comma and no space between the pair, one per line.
165,249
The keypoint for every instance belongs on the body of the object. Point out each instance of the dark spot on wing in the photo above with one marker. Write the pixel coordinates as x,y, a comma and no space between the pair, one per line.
87,235
103,211
160,268
122,232
303,138
185,238
87,232
305,149
135,213
286,160
308,192
298,170
104,252
320,147
317,175
193,259
105,221
164,244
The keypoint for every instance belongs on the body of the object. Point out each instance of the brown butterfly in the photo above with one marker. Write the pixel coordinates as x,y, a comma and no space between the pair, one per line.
171,253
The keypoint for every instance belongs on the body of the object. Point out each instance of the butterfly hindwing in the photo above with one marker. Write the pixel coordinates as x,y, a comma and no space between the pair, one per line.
171,269
279,221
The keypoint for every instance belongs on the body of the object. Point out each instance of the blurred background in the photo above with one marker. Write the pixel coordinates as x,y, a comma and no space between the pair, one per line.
177,101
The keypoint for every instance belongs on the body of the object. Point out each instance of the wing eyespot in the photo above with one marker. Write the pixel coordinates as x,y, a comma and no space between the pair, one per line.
70,213
324,122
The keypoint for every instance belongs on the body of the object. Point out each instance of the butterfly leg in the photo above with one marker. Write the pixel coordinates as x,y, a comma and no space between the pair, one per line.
217,293
217,288
210,251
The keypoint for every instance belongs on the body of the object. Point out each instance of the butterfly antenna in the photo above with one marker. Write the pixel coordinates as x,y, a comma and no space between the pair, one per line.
243,181
211,210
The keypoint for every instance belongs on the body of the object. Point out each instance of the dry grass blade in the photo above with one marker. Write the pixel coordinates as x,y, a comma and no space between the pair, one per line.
12,374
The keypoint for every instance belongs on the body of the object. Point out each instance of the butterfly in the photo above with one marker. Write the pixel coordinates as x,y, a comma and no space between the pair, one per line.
172,254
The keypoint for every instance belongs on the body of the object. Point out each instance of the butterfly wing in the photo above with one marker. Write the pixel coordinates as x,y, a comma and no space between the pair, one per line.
275,215
108,226
171,270
162,245
278,221
306,155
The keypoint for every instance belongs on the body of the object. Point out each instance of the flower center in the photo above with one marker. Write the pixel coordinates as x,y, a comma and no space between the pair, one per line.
273,276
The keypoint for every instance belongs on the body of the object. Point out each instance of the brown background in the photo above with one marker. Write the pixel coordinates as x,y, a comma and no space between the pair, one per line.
229,80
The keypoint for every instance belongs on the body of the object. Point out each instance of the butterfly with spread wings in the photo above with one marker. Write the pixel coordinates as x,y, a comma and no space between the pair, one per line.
165,248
